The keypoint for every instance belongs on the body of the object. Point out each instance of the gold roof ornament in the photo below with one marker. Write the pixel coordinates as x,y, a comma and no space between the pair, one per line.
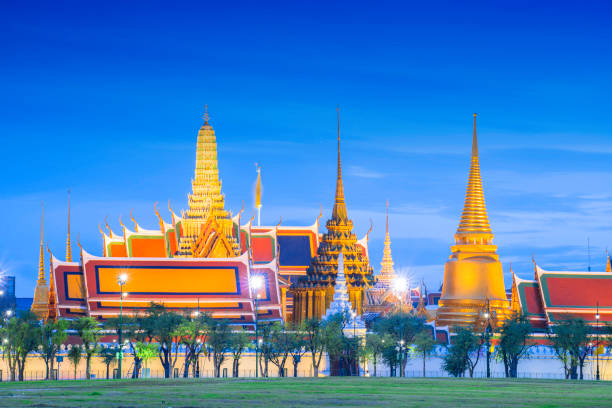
68,244
339,211
41,292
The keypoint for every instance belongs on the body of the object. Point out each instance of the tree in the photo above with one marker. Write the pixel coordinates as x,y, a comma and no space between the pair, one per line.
89,331
315,341
161,326
463,353
343,351
570,341
297,348
266,347
108,355
21,336
513,343
374,348
425,345
401,327
239,341
144,352
74,355
219,340
192,334
53,336
134,331
281,341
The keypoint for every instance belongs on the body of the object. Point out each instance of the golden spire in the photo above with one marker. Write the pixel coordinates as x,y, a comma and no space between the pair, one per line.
205,117
52,305
339,205
474,219
386,271
68,245
608,265
41,259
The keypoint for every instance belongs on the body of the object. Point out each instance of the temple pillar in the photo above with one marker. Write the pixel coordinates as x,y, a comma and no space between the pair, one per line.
284,303
310,309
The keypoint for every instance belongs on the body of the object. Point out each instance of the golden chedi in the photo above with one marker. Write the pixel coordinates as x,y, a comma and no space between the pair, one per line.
473,276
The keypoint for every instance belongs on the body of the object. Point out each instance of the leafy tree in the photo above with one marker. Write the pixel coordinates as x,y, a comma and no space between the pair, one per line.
134,331
192,334
570,341
89,331
74,355
281,341
53,336
400,327
161,326
239,341
219,340
514,343
108,355
425,345
464,352
266,347
315,341
343,351
297,348
21,336
144,352
374,348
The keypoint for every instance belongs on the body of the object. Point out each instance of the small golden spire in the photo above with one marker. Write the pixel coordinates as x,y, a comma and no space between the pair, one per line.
339,211
474,219
41,260
52,305
68,245
387,217
205,117
608,265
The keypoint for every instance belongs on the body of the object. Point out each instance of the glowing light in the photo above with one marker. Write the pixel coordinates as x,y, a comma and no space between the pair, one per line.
122,278
9,313
1,292
195,313
597,316
400,284
257,282
486,315
5,341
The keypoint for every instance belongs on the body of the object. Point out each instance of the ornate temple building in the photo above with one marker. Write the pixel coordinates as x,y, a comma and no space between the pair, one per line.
473,276
314,292
556,295
202,260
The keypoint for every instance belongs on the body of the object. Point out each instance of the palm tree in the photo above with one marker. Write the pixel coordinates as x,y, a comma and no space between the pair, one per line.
74,355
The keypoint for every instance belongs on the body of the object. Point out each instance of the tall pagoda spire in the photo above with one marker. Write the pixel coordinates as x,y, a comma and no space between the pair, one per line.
474,219
386,271
41,258
41,292
206,197
339,211
68,245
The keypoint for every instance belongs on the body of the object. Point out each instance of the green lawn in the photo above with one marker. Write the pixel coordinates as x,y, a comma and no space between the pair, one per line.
308,392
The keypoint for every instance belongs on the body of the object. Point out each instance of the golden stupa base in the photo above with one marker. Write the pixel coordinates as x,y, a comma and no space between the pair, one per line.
472,313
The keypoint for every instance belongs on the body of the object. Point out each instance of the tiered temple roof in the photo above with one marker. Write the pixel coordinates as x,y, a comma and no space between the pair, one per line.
314,292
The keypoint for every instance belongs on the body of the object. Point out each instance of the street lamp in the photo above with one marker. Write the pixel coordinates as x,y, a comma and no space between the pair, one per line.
487,315
121,281
400,349
9,313
597,341
257,283
399,286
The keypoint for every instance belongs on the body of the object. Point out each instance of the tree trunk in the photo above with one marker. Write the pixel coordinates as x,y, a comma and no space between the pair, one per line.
107,371
136,371
423,364
374,364
315,371
295,368
88,367
186,367
46,369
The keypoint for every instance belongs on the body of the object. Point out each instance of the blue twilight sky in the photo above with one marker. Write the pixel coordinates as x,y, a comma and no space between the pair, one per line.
106,99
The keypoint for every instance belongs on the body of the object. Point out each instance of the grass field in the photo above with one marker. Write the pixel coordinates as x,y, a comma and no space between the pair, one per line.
308,392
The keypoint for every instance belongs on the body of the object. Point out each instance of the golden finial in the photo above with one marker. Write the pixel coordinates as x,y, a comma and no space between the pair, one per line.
320,214
205,117
474,219
370,230
51,309
339,211
280,221
132,217
68,245
387,217
608,265
41,260
110,231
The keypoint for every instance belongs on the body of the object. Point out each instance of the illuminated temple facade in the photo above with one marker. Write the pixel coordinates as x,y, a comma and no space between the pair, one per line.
204,258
